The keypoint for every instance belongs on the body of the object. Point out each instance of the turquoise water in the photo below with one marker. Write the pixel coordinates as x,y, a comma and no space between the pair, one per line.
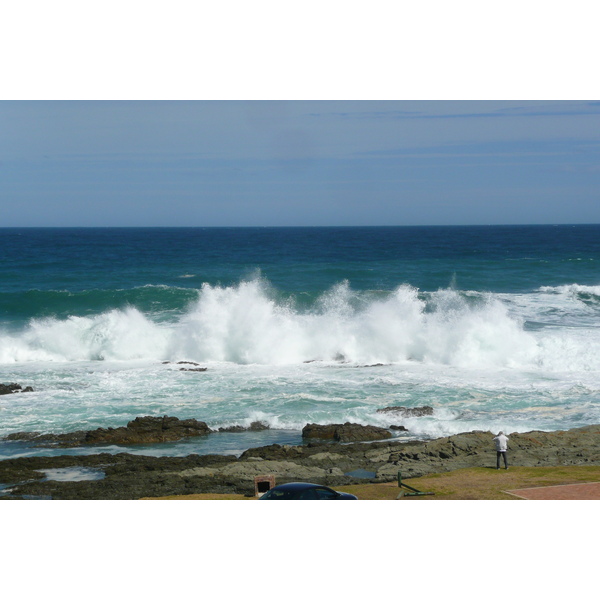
495,327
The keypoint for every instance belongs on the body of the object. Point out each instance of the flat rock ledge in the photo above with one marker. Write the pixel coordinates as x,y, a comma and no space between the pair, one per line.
142,430
130,476
348,432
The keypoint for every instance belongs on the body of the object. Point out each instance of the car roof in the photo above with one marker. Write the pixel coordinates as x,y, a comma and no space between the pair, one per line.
298,485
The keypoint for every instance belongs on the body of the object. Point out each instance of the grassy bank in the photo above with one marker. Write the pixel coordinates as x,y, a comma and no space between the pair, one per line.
477,483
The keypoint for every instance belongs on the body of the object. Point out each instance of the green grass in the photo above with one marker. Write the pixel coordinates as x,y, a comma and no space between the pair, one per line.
478,483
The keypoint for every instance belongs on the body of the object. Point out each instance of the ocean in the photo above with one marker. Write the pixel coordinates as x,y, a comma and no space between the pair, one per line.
495,327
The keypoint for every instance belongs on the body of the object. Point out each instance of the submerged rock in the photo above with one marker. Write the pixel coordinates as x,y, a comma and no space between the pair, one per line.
348,432
232,429
13,388
195,366
258,426
254,426
403,411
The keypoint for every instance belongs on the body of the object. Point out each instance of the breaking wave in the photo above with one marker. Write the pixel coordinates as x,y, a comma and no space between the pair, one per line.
250,323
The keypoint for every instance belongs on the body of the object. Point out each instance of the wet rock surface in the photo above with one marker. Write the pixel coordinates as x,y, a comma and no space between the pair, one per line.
403,411
133,476
142,430
254,426
13,388
148,430
348,432
194,368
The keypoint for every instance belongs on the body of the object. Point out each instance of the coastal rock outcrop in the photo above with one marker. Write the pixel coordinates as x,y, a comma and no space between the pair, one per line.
348,432
13,388
142,430
135,476
148,430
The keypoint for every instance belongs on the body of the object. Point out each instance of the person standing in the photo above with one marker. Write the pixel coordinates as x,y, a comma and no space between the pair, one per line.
501,442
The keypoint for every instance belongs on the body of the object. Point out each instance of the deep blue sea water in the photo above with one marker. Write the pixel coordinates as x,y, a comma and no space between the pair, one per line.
495,327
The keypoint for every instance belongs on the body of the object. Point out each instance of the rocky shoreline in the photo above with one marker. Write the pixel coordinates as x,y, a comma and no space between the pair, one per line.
327,457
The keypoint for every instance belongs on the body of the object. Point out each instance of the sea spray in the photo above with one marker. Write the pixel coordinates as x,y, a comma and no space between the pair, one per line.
114,335
251,323
334,324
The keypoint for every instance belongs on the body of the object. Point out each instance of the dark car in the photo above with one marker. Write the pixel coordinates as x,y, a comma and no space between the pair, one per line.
304,491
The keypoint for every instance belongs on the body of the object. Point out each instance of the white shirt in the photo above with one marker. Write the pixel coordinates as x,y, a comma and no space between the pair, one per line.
501,443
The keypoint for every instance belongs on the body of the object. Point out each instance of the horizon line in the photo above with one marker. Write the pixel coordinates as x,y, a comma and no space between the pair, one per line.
292,226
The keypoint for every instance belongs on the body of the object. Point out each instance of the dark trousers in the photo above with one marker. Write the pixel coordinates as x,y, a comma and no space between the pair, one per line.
503,455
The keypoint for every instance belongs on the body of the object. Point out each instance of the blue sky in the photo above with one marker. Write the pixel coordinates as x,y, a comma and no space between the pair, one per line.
265,163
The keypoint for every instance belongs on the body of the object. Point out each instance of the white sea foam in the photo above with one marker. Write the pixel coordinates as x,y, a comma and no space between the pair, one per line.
572,289
114,335
246,324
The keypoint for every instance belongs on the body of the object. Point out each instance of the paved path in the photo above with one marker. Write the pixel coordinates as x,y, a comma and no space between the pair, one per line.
575,491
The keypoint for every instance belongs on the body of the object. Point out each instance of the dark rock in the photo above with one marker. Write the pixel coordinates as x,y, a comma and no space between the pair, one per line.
143,430
398,428
126,476
277,452
254,426
73,438
9,388
196,367
348,432
403,411
12,388
23,436
187,362
258,426
148,430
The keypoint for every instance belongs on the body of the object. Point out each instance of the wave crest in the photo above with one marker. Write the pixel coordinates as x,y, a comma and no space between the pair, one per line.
251,323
